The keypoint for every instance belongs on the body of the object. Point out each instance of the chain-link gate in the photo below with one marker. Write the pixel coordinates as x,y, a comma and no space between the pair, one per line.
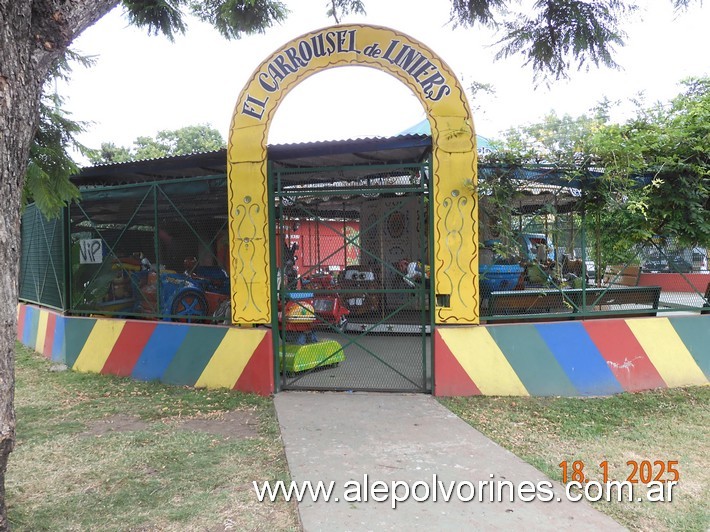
352,278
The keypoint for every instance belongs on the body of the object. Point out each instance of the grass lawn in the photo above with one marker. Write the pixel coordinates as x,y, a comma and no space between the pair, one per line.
101,452
659,425
105,453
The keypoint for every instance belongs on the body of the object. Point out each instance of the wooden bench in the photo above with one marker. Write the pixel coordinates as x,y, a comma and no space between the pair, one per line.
638,300
536,301
644,296
616,274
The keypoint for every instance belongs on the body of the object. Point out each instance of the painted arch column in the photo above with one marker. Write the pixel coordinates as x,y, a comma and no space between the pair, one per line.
455,268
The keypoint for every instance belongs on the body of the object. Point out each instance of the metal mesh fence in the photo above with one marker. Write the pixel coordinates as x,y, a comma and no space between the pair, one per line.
542,258
160,250
157,250
42,264
353,275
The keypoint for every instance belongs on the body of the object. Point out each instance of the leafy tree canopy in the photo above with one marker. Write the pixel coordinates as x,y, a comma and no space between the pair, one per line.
557,140
50,164
656,166
669,145
183,141
232,18
553,36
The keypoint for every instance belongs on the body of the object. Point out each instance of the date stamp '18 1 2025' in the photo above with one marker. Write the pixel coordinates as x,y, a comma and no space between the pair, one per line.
643,471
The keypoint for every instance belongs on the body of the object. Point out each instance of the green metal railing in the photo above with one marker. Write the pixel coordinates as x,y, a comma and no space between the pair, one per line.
169,221
42,264
651,279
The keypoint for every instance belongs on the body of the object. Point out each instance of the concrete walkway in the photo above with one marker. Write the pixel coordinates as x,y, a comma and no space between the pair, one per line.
342,437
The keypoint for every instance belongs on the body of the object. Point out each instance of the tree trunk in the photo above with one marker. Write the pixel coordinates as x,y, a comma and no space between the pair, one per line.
33,35
19,97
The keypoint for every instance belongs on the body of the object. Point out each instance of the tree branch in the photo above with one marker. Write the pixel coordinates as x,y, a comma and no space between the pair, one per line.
56,23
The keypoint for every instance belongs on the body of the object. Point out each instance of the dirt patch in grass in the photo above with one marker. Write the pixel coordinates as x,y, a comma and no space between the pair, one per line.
96,452
237,424
115,423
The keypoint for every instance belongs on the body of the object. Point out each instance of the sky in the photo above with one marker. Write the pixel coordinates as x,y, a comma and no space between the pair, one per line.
143,84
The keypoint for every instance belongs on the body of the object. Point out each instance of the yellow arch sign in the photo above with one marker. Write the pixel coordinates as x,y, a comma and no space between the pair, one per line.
455,268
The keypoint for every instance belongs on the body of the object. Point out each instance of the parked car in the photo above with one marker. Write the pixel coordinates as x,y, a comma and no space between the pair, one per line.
699,258
674,263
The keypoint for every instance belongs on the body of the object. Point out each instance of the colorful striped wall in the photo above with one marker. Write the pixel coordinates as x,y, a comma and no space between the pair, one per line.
174,353
595,357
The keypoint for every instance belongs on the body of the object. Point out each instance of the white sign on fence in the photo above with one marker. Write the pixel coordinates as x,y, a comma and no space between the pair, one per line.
90,251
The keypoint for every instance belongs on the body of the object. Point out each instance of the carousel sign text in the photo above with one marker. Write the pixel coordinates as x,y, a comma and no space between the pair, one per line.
412,62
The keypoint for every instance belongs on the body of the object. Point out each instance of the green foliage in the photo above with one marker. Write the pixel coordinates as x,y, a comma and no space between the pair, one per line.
469,12
231,18
167,143
234,17
158,16
191,139
657,168
50,166
552,36
110,153
563,31
561,141
344,7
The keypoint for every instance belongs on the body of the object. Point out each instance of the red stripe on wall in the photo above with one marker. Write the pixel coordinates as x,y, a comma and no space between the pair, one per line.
49,336
624,355
128,348
21,321
676,282
258,374
450,379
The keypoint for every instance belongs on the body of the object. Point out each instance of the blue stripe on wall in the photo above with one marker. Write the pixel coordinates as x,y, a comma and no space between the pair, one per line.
194,355
580,358
29,334
532,360
58,350
159,351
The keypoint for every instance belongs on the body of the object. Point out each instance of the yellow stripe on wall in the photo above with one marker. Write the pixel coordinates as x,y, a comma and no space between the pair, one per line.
230,358
483,360
667,351
98,345
41,331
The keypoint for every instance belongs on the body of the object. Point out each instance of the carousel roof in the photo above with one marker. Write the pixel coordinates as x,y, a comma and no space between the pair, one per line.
401,149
